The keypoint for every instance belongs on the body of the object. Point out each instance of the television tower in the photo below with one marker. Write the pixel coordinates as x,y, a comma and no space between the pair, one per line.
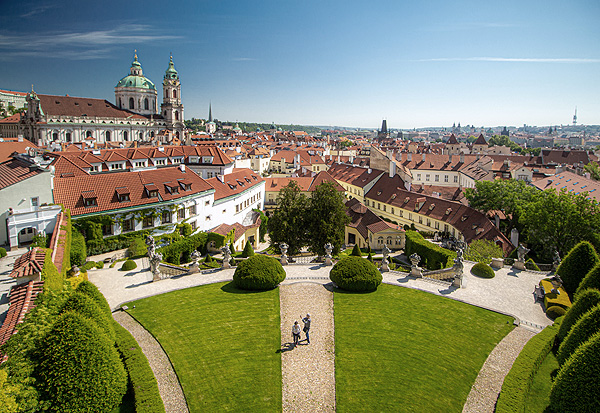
575,117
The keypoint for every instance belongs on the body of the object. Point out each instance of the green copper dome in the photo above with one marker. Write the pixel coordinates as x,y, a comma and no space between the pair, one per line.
136,77
171,73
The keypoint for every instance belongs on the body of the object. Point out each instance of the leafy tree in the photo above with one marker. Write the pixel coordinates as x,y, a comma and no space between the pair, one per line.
594,169
288,225
558,221
578,262
502,195
326,219
501,140
264,223
482,250
8,393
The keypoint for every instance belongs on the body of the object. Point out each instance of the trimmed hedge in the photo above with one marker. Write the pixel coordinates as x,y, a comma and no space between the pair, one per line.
432,256
147,397
356,251
591,280
128,265
586,300
2,252
248,250
88,307
80,369
78,249
355,274
482,250
577,384
578,262
553,299
584,328
483,270
531,265
555,311
53,280
258,273
518,380
89,289
180,251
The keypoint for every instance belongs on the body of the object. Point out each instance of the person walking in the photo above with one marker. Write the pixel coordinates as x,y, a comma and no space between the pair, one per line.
306,321
296,333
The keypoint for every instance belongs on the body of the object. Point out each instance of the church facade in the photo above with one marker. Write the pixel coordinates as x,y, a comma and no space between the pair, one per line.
53,120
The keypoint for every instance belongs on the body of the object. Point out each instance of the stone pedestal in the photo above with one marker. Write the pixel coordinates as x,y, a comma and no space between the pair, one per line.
284,260
497,263
519,265
384,266
416,272
194,268
328,262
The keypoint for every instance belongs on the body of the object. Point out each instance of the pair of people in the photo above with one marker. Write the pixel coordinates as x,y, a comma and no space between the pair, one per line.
306,329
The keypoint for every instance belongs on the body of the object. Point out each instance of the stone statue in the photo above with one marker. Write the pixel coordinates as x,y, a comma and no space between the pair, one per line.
521,251
226,257
154,257
556,260
415,271
195,258
414,259
384,262
328,251
283,247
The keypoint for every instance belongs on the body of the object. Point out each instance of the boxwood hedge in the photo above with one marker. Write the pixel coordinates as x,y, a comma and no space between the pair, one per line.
355,274
586,300
258,272
591,280
86,306
578,262
89,289
584,328
483,270
432,256
128,265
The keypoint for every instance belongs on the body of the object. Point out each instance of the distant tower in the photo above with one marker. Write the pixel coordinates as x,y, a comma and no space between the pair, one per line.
383,133
211,126
172,108
575,117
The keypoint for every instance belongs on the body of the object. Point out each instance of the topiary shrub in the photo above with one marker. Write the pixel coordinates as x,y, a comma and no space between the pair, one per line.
89,289
577,384
531,265
578,262
483,270
258,273
78,249
433,257
100,265
2,252
248,250
356,251
88,307
591,280
137,248
586,300
80,369
355,274
555,311
128,265
370,257
587,326
208,259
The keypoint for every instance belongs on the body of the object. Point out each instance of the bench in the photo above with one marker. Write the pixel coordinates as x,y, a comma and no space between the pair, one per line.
538,293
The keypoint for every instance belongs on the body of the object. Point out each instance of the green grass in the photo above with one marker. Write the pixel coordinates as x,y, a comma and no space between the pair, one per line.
399,349
538,398
223,343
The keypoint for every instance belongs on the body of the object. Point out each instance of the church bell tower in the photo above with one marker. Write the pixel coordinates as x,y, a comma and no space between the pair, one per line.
172,108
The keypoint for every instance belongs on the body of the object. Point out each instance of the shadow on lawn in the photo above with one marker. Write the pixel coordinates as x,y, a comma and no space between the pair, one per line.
231,288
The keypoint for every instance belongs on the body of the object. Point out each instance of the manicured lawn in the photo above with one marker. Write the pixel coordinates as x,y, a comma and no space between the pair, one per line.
223,343
538,398
399,349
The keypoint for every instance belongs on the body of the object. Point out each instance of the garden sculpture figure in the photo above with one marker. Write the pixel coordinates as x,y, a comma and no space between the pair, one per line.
384,262
154,257
328,251
415,259
521,251
556,259
283,247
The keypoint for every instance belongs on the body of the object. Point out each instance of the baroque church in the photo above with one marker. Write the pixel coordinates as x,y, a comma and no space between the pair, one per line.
53,120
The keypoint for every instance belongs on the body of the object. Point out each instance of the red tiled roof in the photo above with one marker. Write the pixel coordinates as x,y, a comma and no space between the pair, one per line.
365,220
74,106
14,171
12,92
230,183
570,182
12,118
22,298
30,263
8,148
71,191
354,175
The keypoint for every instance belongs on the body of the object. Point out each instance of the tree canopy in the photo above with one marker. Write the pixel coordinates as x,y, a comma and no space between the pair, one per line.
288,221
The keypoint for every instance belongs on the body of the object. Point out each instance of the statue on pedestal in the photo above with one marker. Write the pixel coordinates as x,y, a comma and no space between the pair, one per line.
415,270
226,257
283,247
195,258
154,257
384,263
328,251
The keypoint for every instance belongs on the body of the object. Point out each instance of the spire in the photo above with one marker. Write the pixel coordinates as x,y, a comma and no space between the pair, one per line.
210,112
136,67
384,126
171,73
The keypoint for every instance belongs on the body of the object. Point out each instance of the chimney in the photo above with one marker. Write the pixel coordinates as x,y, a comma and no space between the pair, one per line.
409,157
462,158
182,168
369,170
423,156
392,169
20,138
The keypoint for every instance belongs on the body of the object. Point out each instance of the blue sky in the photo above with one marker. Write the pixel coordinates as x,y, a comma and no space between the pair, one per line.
350,63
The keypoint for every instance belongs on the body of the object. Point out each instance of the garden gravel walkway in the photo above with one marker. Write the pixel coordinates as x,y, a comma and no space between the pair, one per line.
308,371
168,383
487,386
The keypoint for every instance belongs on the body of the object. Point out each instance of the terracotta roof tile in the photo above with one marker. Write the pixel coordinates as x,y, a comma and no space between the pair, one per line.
30,263
228,185
8,148
21,299
75,106
14,171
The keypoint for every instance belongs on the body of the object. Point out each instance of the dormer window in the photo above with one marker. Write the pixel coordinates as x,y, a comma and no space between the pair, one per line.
207,159
172,188
140,164
406,200
464,218
160,162
186,185
90,199
431,207
176,160
448,211
123,194
151,190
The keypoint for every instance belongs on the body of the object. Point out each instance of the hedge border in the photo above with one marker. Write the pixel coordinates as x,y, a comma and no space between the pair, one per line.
518,380
145,388
432,256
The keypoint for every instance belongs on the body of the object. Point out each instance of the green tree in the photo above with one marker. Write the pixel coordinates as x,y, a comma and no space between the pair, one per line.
501,195
326,219
356,251
558,221
287,225
594,169
482,250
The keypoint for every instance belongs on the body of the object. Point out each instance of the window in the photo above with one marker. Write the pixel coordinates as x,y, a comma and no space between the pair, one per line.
400,213
193,224
174,94
392,211
455,178
35,202
206,203
146,105
107,134
107,229
428,222
159,162
418,177
192,210
176,115
124,197
420,219
181,213
125,136
384,207
90,202
131,103
427,177
437,178
445,178
166,217
437,225
140,164
148,222
128,224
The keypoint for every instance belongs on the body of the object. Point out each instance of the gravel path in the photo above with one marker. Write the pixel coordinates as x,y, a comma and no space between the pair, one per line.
488,384
168,383
308,371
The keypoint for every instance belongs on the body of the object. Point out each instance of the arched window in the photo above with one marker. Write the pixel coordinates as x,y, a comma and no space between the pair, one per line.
152,134
55,136
176,115
174,94
125,135
120,104
68,136
146,106
107,134
141,136
131,103
153,105
88,134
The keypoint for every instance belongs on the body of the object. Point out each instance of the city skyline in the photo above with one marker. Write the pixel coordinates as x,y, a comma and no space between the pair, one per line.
322,63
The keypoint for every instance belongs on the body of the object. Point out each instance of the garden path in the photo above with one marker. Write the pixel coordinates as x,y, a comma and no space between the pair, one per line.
168,383
308,370
487,386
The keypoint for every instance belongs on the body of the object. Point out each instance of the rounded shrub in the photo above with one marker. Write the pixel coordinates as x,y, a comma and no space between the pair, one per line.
577,384
355,274
258,272
128,265
80,369
2,252
88,307
587,326
100,265
553,312
89,289
586,300
248,250
356,251
483,270
578,262
591,280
